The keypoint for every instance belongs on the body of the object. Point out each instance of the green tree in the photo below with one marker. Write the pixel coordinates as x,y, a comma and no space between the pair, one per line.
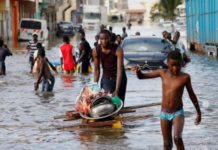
165,9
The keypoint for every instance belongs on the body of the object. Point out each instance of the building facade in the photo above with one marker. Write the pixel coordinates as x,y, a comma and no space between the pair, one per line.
11,11
5,19
122,4
53,11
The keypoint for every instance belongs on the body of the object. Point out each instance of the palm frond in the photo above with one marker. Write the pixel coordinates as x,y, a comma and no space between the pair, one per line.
165,9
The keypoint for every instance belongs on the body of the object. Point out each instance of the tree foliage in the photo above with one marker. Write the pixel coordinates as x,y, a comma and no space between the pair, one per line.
165,9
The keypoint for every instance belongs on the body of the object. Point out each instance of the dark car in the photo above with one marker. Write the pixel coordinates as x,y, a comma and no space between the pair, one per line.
78,27
65,28
148,52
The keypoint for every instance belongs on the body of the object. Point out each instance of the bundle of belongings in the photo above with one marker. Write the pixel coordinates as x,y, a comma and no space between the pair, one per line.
94,103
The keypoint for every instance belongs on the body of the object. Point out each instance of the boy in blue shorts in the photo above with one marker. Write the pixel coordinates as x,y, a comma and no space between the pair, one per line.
172,114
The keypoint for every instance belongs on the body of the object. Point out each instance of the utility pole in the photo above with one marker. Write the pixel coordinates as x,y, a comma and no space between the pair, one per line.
8,25
37,9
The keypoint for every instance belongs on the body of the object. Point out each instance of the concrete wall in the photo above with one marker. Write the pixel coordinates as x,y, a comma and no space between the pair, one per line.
27,9
68,16
93,2
60,11
2,5
2,16
5,19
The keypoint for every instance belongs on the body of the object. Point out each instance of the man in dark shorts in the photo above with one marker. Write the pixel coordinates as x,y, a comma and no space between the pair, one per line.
110,56
84,54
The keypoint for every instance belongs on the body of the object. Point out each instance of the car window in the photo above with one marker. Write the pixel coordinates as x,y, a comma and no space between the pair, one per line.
66,25
145,44
92,15
30,24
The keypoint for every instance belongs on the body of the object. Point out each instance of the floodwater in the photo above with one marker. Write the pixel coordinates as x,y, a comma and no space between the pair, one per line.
26,116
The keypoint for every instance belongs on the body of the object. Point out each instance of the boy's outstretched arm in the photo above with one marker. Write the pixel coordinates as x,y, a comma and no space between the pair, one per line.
194,100
147,75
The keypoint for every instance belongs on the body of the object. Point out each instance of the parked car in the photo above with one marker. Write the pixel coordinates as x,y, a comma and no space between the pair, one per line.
28,26
77,27
148,52
65,28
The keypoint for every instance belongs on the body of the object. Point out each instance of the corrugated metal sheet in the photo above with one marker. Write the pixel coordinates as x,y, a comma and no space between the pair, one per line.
202,21
216,21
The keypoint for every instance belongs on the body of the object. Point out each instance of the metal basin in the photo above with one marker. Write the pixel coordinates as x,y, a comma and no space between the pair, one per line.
102,108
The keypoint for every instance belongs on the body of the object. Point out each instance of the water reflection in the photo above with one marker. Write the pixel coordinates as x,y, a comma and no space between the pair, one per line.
101,136
68,80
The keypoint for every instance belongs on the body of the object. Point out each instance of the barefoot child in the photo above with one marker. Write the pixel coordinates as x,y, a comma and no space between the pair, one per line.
44,73
173,83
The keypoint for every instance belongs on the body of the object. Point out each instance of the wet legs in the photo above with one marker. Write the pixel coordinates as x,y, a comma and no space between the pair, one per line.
166,128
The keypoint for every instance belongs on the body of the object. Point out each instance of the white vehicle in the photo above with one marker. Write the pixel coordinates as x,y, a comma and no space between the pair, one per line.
28,26
94,16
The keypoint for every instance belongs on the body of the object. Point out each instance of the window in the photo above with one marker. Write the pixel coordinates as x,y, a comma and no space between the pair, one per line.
28,24
92,15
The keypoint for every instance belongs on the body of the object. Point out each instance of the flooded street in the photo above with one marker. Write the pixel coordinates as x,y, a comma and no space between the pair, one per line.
26,116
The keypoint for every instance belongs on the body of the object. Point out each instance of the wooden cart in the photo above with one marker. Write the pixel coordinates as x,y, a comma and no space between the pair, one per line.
114,122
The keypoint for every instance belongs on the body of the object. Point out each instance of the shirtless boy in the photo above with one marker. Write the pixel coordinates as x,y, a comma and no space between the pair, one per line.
44,73
172,114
